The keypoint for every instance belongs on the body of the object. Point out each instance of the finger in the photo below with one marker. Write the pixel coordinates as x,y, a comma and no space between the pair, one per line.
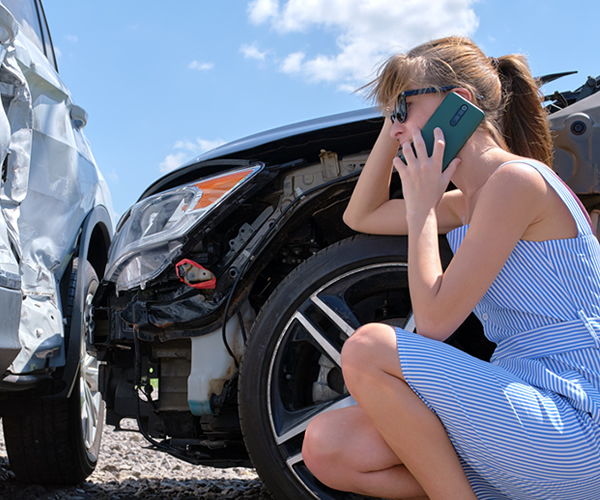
419,144
407,151
399,165
439,144
451,169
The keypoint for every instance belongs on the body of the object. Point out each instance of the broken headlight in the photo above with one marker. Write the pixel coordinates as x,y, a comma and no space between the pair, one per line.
153,233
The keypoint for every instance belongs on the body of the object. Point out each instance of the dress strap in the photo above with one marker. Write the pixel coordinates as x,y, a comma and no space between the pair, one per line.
578,211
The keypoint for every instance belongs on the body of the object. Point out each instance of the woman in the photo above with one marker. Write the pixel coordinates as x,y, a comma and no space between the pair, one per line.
432,421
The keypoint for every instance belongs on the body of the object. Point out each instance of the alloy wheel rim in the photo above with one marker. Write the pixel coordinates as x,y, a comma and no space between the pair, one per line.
324,320
90,396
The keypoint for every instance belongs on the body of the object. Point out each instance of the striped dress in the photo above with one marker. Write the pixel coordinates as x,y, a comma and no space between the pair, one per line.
527,424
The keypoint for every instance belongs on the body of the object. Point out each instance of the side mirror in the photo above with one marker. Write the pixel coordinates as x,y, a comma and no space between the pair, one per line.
79,116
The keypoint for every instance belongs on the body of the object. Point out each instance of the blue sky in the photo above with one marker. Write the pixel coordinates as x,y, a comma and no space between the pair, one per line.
165,81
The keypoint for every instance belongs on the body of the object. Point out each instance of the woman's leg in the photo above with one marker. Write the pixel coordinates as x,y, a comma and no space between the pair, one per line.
343,450
374,377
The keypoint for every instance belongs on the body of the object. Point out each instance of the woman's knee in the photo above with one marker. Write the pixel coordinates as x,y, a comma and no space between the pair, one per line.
320,450
362,343
365,349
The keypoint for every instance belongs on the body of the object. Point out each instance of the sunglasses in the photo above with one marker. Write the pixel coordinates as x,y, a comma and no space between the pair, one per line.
399,112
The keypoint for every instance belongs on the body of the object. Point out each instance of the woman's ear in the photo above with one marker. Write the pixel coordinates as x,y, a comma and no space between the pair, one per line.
461,91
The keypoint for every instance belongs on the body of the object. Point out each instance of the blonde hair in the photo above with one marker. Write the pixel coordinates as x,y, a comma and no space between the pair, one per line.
503,88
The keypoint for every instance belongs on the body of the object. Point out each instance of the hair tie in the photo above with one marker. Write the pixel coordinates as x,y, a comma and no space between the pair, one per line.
495,62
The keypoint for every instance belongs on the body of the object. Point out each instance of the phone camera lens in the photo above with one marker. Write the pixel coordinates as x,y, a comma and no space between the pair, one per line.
459,114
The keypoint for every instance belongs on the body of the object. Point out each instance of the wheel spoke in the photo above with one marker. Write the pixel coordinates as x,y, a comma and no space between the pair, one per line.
92,404
87,409
90,400
331,350
295,459
90,420
332,315
91,373
301,426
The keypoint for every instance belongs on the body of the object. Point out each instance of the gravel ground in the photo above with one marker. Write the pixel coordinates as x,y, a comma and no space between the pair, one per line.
127,470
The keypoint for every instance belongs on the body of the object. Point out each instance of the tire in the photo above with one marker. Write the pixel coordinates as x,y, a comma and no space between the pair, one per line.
291,372
58,440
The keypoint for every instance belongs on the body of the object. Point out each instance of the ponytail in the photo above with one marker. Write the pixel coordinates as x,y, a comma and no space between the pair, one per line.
525,122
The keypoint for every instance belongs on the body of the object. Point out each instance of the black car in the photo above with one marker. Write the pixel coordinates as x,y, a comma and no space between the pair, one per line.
233,282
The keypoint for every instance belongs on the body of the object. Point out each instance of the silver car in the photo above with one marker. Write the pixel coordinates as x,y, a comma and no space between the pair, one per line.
55,229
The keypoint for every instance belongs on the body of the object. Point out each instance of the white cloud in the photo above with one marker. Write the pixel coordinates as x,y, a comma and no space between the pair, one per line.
366,32
251,51
261,10
200,66
293,62
72,38
187,151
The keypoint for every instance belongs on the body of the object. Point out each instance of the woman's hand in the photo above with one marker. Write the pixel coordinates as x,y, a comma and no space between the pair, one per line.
423,182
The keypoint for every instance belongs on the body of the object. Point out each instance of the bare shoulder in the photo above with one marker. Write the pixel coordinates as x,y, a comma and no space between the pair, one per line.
517,194
517,185
518,176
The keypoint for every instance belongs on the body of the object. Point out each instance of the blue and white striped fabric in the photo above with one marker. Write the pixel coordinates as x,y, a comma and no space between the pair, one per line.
527,424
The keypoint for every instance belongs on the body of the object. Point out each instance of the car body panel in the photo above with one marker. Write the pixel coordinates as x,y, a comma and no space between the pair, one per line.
576,131
51,183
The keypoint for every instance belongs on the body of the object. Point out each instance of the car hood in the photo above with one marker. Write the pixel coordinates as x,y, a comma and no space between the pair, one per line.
279,145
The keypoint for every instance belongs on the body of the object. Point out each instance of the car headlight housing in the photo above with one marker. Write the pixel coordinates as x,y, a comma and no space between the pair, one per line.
154,232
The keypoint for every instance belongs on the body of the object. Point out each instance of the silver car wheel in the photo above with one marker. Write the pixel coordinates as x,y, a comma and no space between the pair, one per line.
91,398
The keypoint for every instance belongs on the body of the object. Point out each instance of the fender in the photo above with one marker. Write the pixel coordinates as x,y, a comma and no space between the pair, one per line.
97,219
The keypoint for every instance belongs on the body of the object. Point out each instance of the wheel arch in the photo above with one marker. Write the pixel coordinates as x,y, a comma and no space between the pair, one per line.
94,241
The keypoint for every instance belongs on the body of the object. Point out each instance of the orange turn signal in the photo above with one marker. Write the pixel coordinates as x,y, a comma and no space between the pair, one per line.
213,189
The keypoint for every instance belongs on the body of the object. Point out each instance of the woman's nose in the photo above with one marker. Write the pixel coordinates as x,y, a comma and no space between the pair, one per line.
397,130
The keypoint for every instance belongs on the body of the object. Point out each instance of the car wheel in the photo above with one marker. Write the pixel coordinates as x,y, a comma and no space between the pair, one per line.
291,372
57,441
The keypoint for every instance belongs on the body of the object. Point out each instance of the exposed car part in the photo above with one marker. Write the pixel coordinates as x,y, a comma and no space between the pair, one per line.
215,359
575,133
195,275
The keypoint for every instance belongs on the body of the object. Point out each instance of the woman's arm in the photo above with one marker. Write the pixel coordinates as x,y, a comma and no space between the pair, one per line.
512,200
370,209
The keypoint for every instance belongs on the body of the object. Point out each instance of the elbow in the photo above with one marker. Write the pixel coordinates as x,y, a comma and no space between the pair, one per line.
350,220
434,328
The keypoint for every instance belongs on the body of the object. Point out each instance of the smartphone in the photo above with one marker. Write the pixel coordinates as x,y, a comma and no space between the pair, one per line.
458,119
